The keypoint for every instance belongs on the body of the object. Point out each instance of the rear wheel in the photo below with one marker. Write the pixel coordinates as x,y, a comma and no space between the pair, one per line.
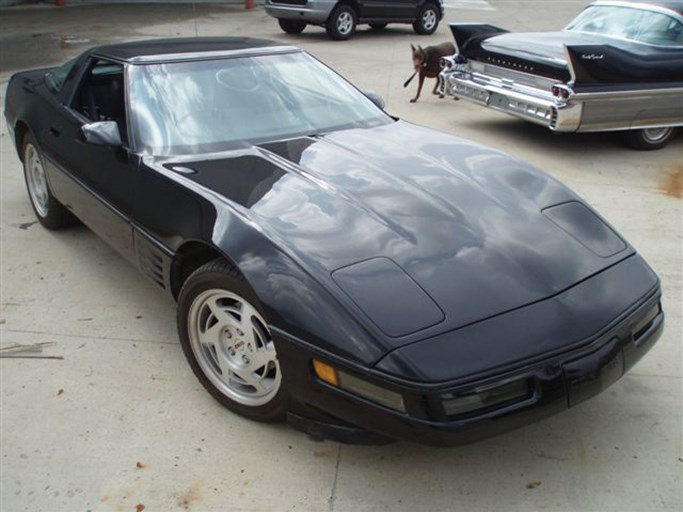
227,343
427,20
50,212
649,138
292,26
341,24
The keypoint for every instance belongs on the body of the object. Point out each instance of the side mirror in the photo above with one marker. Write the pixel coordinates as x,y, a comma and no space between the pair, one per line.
102,133
375,98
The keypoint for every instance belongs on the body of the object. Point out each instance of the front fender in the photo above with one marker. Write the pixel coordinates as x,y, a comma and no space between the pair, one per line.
293,301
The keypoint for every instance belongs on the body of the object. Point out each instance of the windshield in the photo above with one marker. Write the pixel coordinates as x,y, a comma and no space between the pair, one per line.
210,105
56,78
635,24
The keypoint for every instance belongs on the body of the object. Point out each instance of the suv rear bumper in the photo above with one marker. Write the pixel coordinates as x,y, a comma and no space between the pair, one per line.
312,11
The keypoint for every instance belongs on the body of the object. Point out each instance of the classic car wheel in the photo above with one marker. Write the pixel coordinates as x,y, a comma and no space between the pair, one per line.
649,138
50,212
227,342
342,23
292,26
427,20
378,26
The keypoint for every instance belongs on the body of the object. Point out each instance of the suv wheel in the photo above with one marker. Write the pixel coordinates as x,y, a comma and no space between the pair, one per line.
427,20
342,23
292,26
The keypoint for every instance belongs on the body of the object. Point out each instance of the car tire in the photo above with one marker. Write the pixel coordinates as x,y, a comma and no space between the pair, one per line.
649,138
378,26
341,24
427,20
227,343
50,212
292,26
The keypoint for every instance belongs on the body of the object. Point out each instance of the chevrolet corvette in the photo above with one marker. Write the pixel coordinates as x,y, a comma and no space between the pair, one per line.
360,276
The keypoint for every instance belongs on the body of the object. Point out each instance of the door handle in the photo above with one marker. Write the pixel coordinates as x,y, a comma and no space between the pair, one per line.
54,132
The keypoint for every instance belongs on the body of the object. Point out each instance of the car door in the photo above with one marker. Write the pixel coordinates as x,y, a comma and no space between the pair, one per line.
372,9
401,9
96,182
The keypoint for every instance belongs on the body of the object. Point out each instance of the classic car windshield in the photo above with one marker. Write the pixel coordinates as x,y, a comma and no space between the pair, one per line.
636,24
200,106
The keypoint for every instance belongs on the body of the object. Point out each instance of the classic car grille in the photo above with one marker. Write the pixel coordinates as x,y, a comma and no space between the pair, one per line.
520,77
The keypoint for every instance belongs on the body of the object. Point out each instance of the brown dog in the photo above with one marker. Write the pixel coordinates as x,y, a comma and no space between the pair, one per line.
427,62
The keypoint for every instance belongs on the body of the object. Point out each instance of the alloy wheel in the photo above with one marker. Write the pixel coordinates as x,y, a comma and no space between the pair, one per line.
233,346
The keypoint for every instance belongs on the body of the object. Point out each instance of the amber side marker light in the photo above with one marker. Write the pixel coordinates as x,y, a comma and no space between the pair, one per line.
360,387
326,373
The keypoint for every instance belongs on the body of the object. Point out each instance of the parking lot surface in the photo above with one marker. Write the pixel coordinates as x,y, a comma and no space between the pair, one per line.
118,421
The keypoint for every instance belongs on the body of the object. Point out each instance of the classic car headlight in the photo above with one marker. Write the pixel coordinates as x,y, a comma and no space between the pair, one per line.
484,399
360,387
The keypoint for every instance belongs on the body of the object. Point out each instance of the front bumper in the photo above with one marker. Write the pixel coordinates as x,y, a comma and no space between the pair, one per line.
554,385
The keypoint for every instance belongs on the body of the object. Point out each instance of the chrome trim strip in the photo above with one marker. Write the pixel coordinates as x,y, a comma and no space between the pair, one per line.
570,66
645,93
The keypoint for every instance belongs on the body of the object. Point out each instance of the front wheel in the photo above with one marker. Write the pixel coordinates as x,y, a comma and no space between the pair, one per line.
427,20
50,212
227,342
341,24
292,26
649,138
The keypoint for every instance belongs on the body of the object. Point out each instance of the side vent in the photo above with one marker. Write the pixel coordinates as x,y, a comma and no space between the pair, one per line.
153,262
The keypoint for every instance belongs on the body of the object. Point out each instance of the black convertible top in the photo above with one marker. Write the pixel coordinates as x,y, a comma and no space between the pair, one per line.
158,48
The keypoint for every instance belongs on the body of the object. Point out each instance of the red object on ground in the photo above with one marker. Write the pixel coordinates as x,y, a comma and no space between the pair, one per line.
59,3
248,4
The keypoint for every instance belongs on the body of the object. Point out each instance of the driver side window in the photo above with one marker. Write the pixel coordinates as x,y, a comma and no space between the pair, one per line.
101,96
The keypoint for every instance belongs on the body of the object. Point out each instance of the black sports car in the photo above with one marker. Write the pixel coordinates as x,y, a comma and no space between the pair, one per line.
617,66
324,271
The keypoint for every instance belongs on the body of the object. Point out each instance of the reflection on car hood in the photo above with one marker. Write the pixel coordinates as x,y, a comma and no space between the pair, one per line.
545,47
463,221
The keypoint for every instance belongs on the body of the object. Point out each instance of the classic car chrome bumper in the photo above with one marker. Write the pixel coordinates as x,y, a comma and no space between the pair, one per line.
585,111
519,100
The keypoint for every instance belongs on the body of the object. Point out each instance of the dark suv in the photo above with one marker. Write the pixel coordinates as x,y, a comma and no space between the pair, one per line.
340,17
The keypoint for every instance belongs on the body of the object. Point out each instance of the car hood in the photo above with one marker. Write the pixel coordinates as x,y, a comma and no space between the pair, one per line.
412,227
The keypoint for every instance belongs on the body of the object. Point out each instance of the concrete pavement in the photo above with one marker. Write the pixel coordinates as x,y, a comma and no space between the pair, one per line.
121,424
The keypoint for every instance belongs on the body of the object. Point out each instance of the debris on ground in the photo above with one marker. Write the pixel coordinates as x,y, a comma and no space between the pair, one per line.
19,350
